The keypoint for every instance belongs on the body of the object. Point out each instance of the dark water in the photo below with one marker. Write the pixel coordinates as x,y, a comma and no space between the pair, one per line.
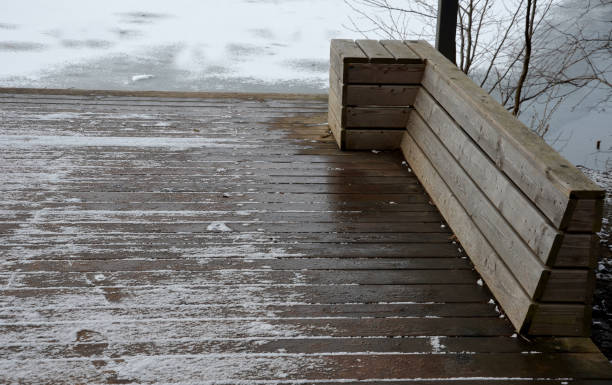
602,303
602,300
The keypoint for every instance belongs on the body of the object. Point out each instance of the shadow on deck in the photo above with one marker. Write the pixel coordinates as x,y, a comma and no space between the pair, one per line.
170,238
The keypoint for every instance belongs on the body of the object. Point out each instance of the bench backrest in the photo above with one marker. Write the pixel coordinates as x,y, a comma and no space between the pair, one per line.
525,216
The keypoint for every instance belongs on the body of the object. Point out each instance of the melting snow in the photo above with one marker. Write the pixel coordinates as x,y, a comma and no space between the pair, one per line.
436,346
218,226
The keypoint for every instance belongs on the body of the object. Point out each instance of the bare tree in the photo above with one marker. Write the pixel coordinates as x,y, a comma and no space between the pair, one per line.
521,51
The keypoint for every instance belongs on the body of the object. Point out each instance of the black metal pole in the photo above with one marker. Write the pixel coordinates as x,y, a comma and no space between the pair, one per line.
446,28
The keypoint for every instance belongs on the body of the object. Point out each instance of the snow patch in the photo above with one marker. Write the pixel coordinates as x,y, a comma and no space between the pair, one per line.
218,226
436,346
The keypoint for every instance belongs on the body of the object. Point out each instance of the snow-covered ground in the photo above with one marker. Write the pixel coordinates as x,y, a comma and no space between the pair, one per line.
233,45
206,45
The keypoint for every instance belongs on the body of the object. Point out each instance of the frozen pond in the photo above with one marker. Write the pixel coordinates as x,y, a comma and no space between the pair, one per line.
189,45
235,45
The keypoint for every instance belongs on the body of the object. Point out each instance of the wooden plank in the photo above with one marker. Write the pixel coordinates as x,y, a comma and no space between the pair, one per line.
561,320
373,73
377,117
279,312
126,94
239,227
586,216
230,276
577,250
308,346
401,52
521,154
533,227
318,282
380,95
335,122
524,264
373,139
567,286
238,264
375,51
372,95
348,51
502,283
325,369
343,51
264,293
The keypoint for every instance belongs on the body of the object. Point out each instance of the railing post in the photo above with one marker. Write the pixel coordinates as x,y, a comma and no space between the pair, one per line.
446,28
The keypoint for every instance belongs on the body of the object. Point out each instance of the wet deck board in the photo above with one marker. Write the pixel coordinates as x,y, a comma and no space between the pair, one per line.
168,238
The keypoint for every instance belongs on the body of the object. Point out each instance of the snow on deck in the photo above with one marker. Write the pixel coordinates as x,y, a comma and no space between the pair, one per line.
157,239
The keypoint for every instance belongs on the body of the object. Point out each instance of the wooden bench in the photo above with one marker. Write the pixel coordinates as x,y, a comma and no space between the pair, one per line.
526,216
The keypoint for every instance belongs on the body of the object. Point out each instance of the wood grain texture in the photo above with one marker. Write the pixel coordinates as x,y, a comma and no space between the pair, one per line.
569,319
586,215
401,52
377,117
375,51
373,139
549,180
233,243
502,282
523,263
381,73
577,250
516,208
372,95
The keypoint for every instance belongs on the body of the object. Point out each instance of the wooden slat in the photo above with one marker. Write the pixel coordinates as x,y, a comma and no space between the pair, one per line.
521,154
516,208
373,95
401,52
561,319
491,267
315,345
336,119
339,269
372,73
375,51
343,51
523,263
373,139
568,286
586,215
377,117
380,95
577,250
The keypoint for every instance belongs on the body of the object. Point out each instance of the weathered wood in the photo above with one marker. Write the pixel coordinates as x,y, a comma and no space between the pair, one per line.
586,215
524,218
377,117
373,95
526,267
373,73
577,250
337,267
561,319
451,345
541,173
347,116
507,290
567,286
401,52
375,51
373,139
344,51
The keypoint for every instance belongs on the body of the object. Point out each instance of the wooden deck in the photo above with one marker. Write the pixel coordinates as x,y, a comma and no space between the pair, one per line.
169,238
